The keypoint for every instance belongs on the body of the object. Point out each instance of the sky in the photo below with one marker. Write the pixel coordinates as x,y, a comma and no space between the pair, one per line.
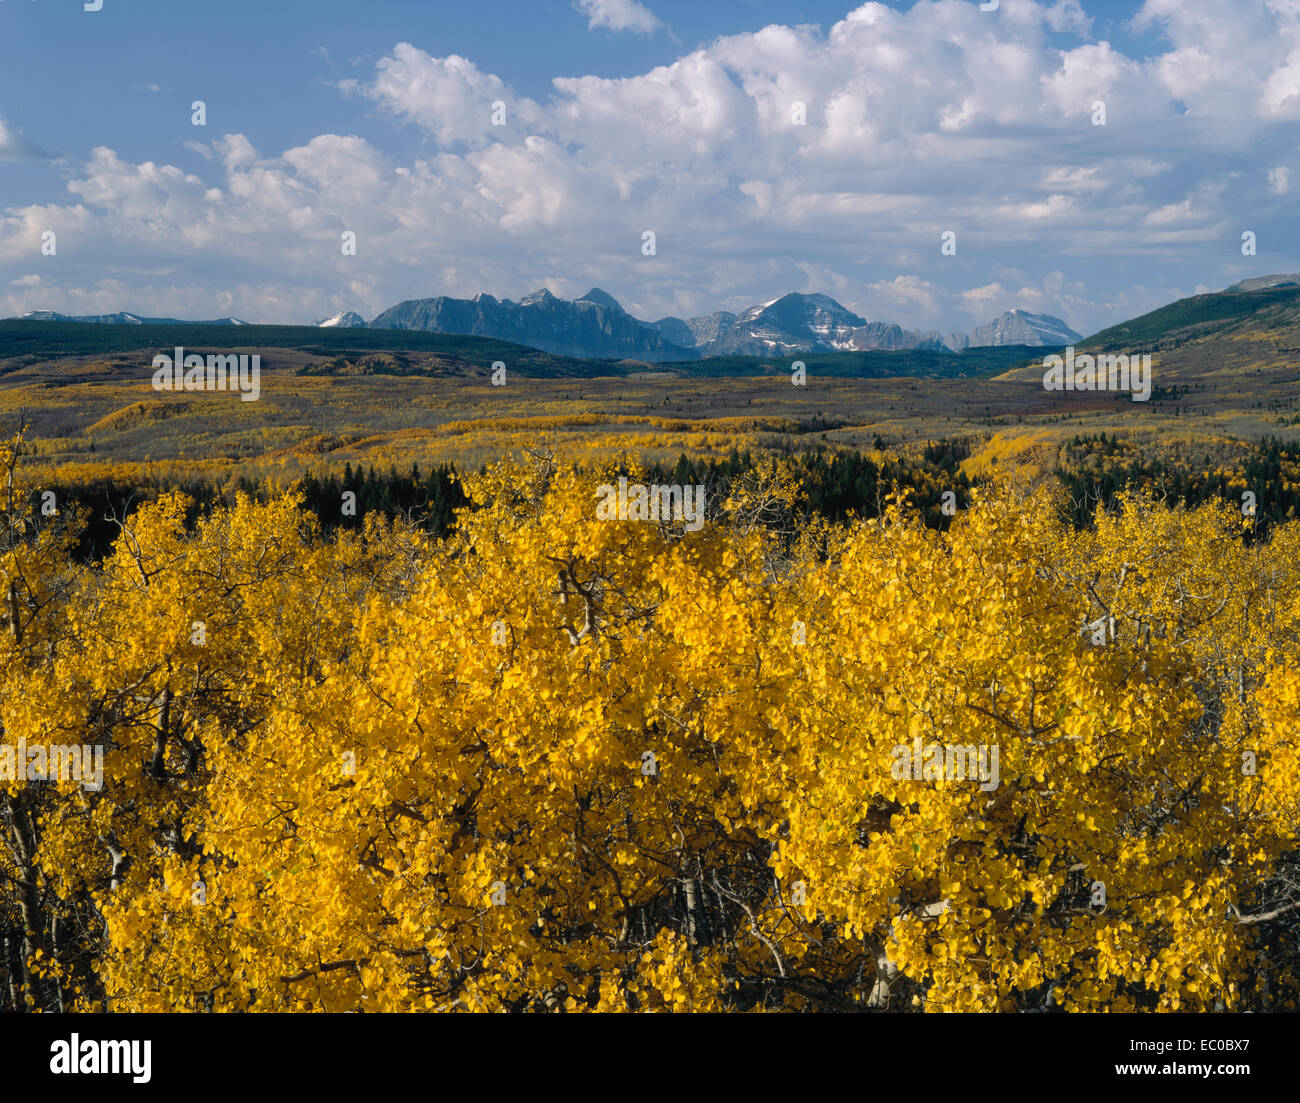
769,146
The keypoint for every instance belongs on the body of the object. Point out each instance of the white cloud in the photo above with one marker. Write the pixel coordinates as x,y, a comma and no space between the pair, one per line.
1067,15
14,147
449,97
1279,180
618,15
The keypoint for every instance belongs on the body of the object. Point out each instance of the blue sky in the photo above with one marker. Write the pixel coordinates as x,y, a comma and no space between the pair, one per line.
662,115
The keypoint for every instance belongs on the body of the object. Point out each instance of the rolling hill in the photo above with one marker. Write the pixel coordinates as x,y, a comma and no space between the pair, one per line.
1237,310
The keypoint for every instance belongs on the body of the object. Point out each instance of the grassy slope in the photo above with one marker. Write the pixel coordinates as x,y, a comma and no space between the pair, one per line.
1201,316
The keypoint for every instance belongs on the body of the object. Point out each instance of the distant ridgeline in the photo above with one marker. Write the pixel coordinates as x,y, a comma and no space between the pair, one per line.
353,352
835,485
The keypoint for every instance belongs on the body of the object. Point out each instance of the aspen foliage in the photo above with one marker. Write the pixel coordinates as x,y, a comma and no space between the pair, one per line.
560,763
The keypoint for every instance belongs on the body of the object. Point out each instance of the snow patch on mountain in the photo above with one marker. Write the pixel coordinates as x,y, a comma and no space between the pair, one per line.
344,319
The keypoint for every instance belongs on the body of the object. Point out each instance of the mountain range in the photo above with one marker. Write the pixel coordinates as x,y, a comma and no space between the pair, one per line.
1245,330
596,326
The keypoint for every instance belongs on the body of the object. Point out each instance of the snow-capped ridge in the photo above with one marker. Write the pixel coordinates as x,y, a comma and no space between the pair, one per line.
344,319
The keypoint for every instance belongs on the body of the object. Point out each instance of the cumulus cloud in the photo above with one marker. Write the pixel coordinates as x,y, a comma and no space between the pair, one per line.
618,15
449,97
1068,15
